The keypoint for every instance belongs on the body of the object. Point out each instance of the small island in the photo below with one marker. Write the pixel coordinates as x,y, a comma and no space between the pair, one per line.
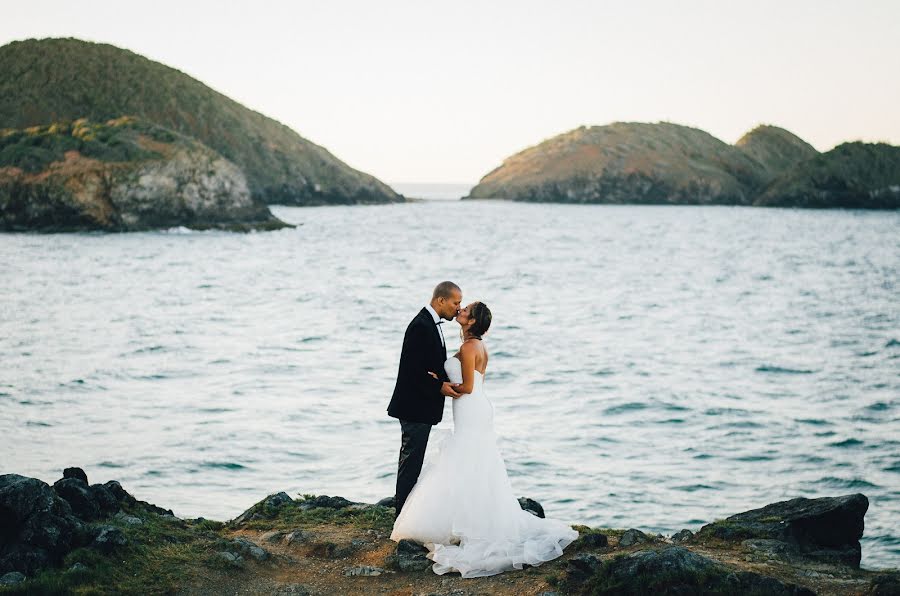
671,164
79,537
64,79
122,175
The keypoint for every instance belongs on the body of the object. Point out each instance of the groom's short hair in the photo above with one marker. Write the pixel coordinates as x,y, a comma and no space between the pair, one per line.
445,289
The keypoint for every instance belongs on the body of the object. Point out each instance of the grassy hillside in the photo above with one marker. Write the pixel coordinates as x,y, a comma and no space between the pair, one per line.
665,163
52,80
626,162
776,149
852,175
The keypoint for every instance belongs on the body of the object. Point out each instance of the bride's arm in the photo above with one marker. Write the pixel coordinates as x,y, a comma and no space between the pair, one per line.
467,357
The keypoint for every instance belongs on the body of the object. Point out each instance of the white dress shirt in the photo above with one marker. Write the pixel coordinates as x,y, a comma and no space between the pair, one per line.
437,319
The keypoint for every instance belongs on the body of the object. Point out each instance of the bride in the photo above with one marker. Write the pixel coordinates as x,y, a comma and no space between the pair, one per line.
462,508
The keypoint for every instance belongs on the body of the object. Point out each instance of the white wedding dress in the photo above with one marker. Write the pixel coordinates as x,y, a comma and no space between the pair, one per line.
463,509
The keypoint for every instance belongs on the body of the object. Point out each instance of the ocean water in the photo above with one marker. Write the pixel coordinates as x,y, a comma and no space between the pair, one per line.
656,367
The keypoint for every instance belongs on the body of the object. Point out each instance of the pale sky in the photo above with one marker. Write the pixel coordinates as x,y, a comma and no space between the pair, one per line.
421,91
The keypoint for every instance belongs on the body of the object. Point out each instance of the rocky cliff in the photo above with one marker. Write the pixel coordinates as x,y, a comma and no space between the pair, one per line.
77,537
51,80
122,175
664,163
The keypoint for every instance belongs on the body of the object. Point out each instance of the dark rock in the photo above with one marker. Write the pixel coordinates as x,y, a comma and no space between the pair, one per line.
12,578
251,549
120,494
104,498
828,528
410,556
37,526
298,537
108,539
124,497
278,499
595,540
682,536
632,537
581,568
772,549
387,502
747,582
326,502
885,584
75,473
264,509
531,506
670,570
232,559
158,510
78,494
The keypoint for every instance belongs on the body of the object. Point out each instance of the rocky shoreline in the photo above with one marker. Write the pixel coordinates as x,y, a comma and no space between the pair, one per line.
79,537
122,175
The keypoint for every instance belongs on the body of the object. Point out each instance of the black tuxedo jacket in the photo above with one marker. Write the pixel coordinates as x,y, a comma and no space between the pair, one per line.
417,395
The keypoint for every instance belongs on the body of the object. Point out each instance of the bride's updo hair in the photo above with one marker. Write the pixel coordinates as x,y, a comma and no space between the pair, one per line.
482,317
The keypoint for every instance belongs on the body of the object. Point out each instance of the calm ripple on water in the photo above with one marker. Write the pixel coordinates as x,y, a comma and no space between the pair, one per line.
652,367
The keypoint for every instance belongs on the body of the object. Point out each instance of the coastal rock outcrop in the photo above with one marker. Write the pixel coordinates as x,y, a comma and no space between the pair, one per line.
827,528
40,524
50,80
336,546
37,527
123,175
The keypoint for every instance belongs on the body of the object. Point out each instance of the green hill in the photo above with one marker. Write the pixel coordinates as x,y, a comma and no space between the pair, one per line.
665,163
775,149
852,175
627,162
52,80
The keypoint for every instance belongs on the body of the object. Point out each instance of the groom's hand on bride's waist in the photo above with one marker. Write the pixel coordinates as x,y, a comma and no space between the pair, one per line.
449,390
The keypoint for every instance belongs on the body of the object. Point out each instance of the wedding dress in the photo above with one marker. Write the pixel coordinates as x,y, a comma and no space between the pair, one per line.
463,508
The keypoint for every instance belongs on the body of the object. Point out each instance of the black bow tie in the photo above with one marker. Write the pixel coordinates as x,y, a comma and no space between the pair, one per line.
439,323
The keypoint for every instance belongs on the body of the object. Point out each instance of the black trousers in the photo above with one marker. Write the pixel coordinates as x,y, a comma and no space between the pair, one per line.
414,439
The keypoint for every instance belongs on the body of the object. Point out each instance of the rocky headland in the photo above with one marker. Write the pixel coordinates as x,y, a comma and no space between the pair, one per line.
77,537
666,163
51,80
121,175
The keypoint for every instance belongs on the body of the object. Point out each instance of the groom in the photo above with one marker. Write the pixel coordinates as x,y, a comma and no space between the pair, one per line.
418,400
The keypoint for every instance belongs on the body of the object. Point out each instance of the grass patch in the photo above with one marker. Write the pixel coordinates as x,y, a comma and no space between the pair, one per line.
34,149
289,516
584,532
